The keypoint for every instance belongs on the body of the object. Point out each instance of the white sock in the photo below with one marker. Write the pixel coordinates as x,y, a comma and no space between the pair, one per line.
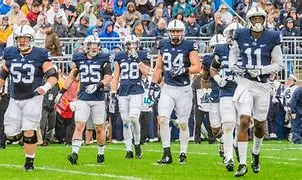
184,139
30,155
136,129
242,148
127,136
101,149
228,129
76,144
165,133
256,145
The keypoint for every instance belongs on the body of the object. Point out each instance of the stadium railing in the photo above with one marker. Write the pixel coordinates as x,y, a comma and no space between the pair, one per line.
291,47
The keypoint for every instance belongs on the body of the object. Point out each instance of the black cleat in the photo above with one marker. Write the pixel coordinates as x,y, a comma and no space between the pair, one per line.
221,152
138,152
29,164
242,170
73,158
129,155
229,165
237,154
255,163
100,159
182,158
166,159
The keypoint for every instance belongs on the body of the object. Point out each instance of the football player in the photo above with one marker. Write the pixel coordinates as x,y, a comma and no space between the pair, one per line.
214,114
225,78
27,66
261,55
177,58
94,71
127,72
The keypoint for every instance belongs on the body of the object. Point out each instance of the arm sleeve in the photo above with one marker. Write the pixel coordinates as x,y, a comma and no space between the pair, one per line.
276,63
234,54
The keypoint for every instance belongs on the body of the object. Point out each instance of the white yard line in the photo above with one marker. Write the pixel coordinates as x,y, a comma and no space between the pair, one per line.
72,172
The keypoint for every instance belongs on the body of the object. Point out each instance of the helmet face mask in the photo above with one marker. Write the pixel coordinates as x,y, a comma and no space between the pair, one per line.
256,19
92,46
23,43
24,38
131,43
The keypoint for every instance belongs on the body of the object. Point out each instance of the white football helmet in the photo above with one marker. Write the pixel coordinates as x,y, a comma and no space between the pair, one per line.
253,12
217,39
229,31
176,31
91,45
131,43
20,32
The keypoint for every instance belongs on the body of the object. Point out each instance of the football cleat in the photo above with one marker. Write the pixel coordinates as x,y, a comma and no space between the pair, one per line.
138,152
229,165
29,164
182,158
221,152
73,158
166,159
129,155
255,163
100,159
242,170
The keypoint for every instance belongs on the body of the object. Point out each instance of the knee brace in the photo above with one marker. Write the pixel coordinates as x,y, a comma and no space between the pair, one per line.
30,140
14,138
163,120
228,127
133,119
183,125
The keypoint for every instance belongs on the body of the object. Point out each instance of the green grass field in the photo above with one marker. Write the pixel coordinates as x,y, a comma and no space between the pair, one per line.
279,160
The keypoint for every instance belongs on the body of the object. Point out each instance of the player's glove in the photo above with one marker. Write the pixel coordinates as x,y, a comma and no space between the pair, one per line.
59,95
112,102
93,87
239,71
221,81
174,72
151,93
254,72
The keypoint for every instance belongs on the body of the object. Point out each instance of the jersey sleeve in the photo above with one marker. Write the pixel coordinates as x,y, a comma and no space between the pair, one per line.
276,36
192,46
161,46
144,56
117,57
206,62
75,59
45,55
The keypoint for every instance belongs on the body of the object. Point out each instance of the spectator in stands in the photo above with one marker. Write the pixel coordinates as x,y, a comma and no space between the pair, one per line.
54,10
15,14
45,6
10,40
52,41
88,11
108,32
144,7
70,12
40,37
290,30
180,16
293,15
226,16
158,14
285,11
131,15
154,50
32,16
205,16
160,30
119,7
160,4
121,27
269,8
192,28
81,7
138,30
215,27
243,7
40,21
80,30
5,31
107,13
99,27
182,5
27,6
270,23
147,24
6,6
60,28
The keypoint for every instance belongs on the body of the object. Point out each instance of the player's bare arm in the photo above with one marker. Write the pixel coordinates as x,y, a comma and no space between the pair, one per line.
51,75
116,77
158,69
71,77
195,62
3,74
